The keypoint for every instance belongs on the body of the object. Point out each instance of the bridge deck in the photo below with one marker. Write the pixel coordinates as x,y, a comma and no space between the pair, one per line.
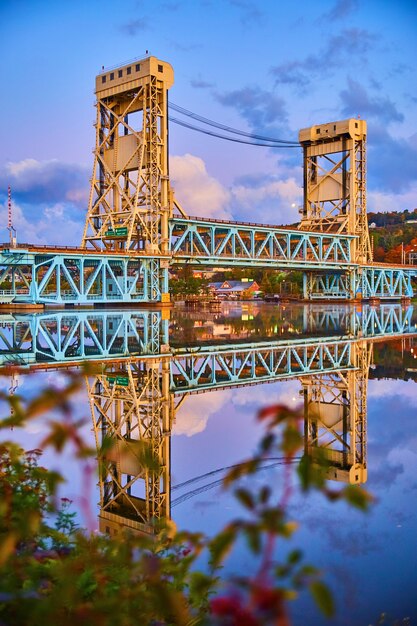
73,275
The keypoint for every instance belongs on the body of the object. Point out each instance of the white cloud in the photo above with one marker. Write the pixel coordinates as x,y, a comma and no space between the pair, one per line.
273,202
381,201
194,413
50,181
48,225
198,193
22,167
390,388
285,392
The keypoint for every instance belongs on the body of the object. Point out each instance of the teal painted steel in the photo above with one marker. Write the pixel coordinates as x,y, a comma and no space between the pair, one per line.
206,242
61,278
72,338
364,282
99,278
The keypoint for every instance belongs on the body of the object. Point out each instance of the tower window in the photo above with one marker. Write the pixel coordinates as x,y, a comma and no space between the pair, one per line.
160,68
112,76
129,70
120,73
317,131
103,79
138,67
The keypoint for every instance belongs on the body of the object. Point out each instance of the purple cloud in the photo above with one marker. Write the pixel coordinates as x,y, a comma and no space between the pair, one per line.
134,26
356,101
341,10
47,181
261,109
352,44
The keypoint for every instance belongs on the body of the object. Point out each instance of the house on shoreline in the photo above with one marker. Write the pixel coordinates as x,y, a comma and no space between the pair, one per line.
234,288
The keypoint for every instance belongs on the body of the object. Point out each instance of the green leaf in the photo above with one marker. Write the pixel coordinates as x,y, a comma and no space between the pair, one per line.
309,570
221,545
267,442
253,538
272,520
295,557
281,571
243,469
292,440
264,494
357,497
201,585
322,597
87,583
311,473
245,498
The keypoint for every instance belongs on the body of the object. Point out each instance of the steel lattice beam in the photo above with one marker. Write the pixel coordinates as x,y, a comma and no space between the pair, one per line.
205,242
80,278
335,412
70,338
130,405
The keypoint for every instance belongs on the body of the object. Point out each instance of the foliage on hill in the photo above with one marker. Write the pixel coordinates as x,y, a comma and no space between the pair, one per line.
394,235
391,218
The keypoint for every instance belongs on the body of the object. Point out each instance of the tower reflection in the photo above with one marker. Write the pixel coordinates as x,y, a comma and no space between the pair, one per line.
145,372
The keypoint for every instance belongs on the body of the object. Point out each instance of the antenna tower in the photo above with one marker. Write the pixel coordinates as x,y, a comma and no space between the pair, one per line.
10,227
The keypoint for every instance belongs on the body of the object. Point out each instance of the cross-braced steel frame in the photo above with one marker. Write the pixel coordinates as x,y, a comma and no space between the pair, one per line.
129,203
131,408
360,283
74,337
335,418
76,278
208,242
335,182
129,198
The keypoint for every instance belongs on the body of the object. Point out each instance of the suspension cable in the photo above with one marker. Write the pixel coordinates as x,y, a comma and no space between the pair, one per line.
229,129
194,492
235,140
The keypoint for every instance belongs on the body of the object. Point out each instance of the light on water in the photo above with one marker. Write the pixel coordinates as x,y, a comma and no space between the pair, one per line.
208,374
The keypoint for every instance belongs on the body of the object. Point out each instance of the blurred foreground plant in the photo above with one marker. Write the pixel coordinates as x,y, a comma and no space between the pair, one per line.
59,574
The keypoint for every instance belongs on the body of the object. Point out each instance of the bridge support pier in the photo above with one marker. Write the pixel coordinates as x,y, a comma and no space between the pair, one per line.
329,286
360,283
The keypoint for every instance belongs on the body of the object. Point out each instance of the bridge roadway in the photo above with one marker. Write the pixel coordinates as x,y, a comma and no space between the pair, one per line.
122,339
51,275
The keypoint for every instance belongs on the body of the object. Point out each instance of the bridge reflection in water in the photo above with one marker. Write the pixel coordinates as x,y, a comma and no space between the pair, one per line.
147,366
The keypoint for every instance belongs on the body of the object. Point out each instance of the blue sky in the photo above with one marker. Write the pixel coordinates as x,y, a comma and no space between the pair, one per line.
260,66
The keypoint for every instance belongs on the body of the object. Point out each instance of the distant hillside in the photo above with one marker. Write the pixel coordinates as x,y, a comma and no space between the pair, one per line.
394,235
392,218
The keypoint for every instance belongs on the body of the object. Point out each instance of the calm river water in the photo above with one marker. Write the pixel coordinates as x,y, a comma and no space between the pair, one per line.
352,371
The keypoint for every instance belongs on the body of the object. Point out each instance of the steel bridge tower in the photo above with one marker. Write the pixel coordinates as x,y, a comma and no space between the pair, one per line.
129,205
334,167
335,410
131,407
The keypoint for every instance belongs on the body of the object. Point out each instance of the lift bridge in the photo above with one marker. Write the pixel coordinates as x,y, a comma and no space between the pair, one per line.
135,229
140,381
